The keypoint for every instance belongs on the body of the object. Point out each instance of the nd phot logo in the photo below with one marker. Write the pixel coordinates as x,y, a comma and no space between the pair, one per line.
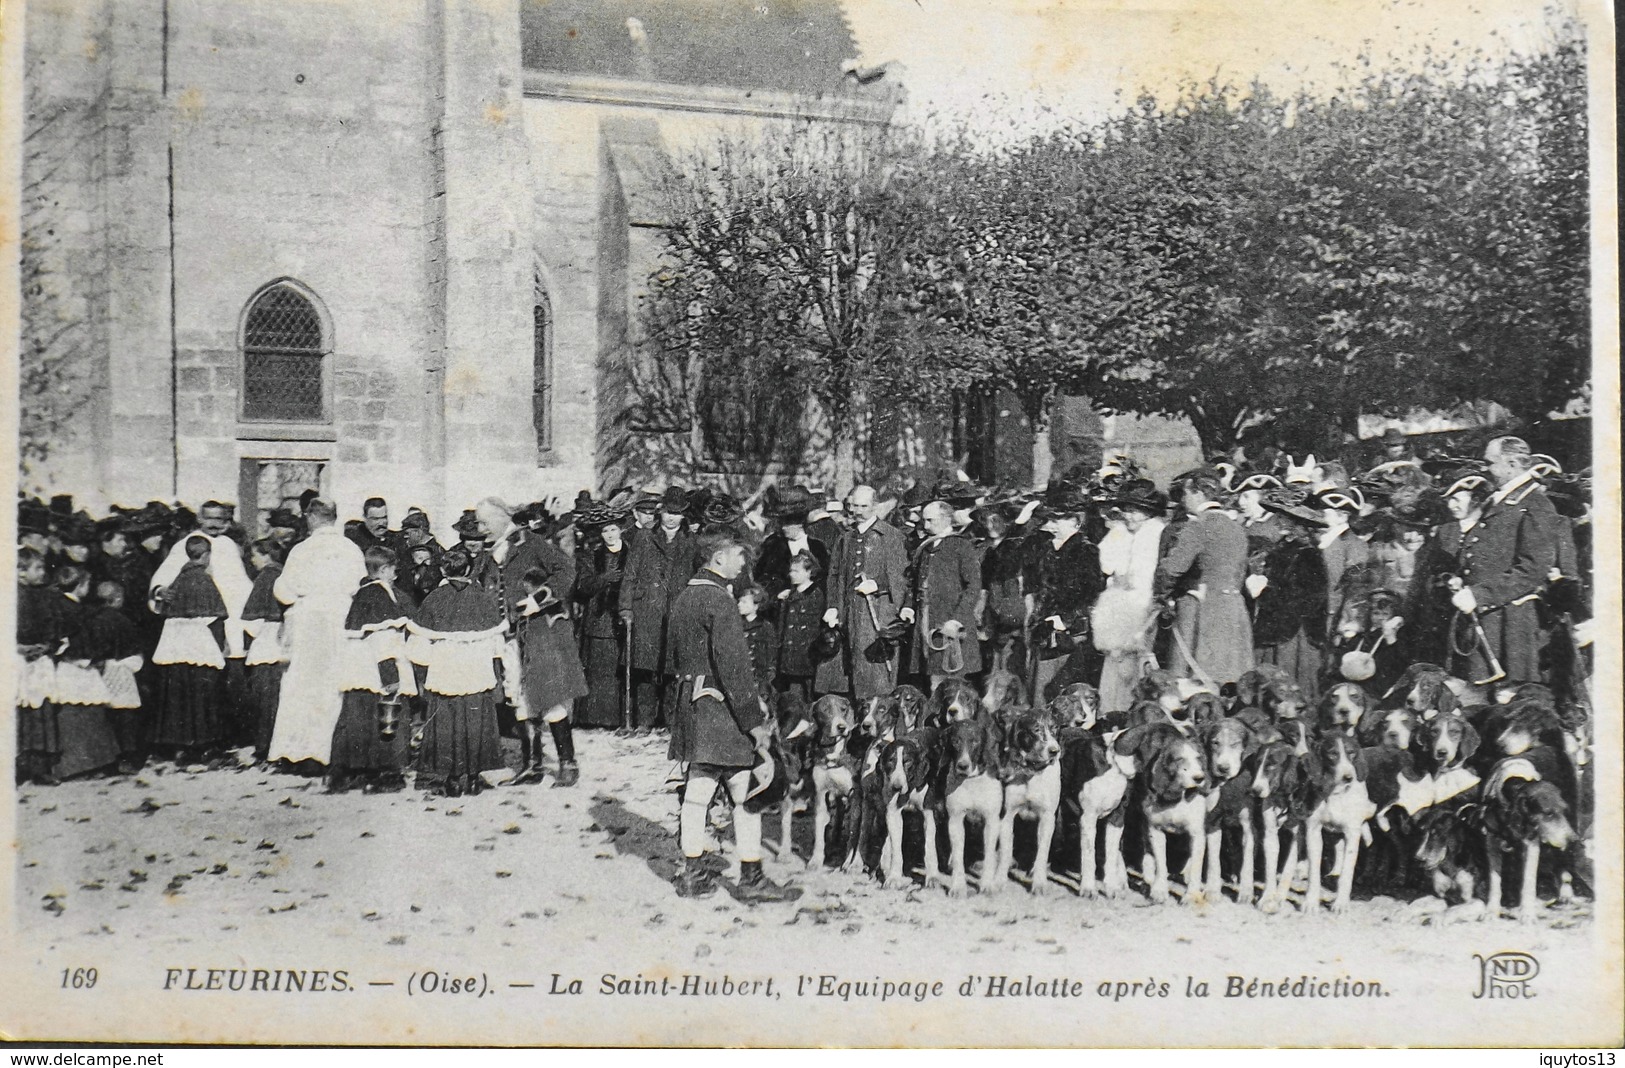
1507,974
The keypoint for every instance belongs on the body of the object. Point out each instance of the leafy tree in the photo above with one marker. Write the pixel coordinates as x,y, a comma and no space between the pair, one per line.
1417,239
786,276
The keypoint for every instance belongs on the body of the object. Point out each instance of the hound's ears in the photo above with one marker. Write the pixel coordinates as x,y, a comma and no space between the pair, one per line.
1357,758
1469,742
1161,777
1247,689
1135,742
1447,700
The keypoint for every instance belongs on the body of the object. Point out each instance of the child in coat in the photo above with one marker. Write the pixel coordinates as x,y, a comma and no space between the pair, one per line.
457,637
109,629
41,634
266,661
801,614
550,675
373,671
761,635
88,742
190,657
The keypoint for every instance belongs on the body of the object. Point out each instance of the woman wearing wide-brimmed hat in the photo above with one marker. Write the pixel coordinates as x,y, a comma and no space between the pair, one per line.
1123,616
601,555
789,510
1066,581
1286,588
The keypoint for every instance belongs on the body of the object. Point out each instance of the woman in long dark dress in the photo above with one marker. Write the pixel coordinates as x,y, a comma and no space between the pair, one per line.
457,635
1289,577
602,560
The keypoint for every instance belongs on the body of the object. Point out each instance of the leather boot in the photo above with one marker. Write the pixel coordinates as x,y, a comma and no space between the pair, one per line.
530,750
754,885
564,744
694,880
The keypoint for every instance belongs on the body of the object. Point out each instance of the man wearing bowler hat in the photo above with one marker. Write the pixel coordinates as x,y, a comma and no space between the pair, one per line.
661,562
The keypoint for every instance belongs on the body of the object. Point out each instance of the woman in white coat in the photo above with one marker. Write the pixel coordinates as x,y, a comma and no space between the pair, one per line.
1124,620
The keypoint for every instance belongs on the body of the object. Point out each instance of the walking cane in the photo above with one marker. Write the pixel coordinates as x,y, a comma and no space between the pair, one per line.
626,686
1497,672
874,617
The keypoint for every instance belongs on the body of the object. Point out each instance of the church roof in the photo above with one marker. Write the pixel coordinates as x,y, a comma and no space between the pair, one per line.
794,46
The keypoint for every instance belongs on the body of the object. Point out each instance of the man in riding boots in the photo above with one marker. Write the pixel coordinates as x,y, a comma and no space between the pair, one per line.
515,552
720,725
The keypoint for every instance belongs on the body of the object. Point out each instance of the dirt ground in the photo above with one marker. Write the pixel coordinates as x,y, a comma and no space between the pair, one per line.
175,863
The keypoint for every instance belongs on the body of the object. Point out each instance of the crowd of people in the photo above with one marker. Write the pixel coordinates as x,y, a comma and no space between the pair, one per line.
365,653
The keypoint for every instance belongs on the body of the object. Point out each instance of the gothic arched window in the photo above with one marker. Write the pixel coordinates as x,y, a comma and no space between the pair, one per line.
285,350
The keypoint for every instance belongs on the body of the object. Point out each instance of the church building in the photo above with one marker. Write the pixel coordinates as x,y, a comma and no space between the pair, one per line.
389,247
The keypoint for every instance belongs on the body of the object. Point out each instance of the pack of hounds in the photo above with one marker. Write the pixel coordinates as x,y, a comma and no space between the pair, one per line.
1425,797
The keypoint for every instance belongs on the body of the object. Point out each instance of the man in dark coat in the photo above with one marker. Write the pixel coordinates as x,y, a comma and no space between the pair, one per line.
1505,562
945,586
516,551
864,591
661,561
1066,580
373,529
1004,613
772,571
121,562
1213,631
720,724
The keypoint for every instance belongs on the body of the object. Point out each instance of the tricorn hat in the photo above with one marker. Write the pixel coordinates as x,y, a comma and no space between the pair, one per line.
827,646
1349,500
1465,480
1255,481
